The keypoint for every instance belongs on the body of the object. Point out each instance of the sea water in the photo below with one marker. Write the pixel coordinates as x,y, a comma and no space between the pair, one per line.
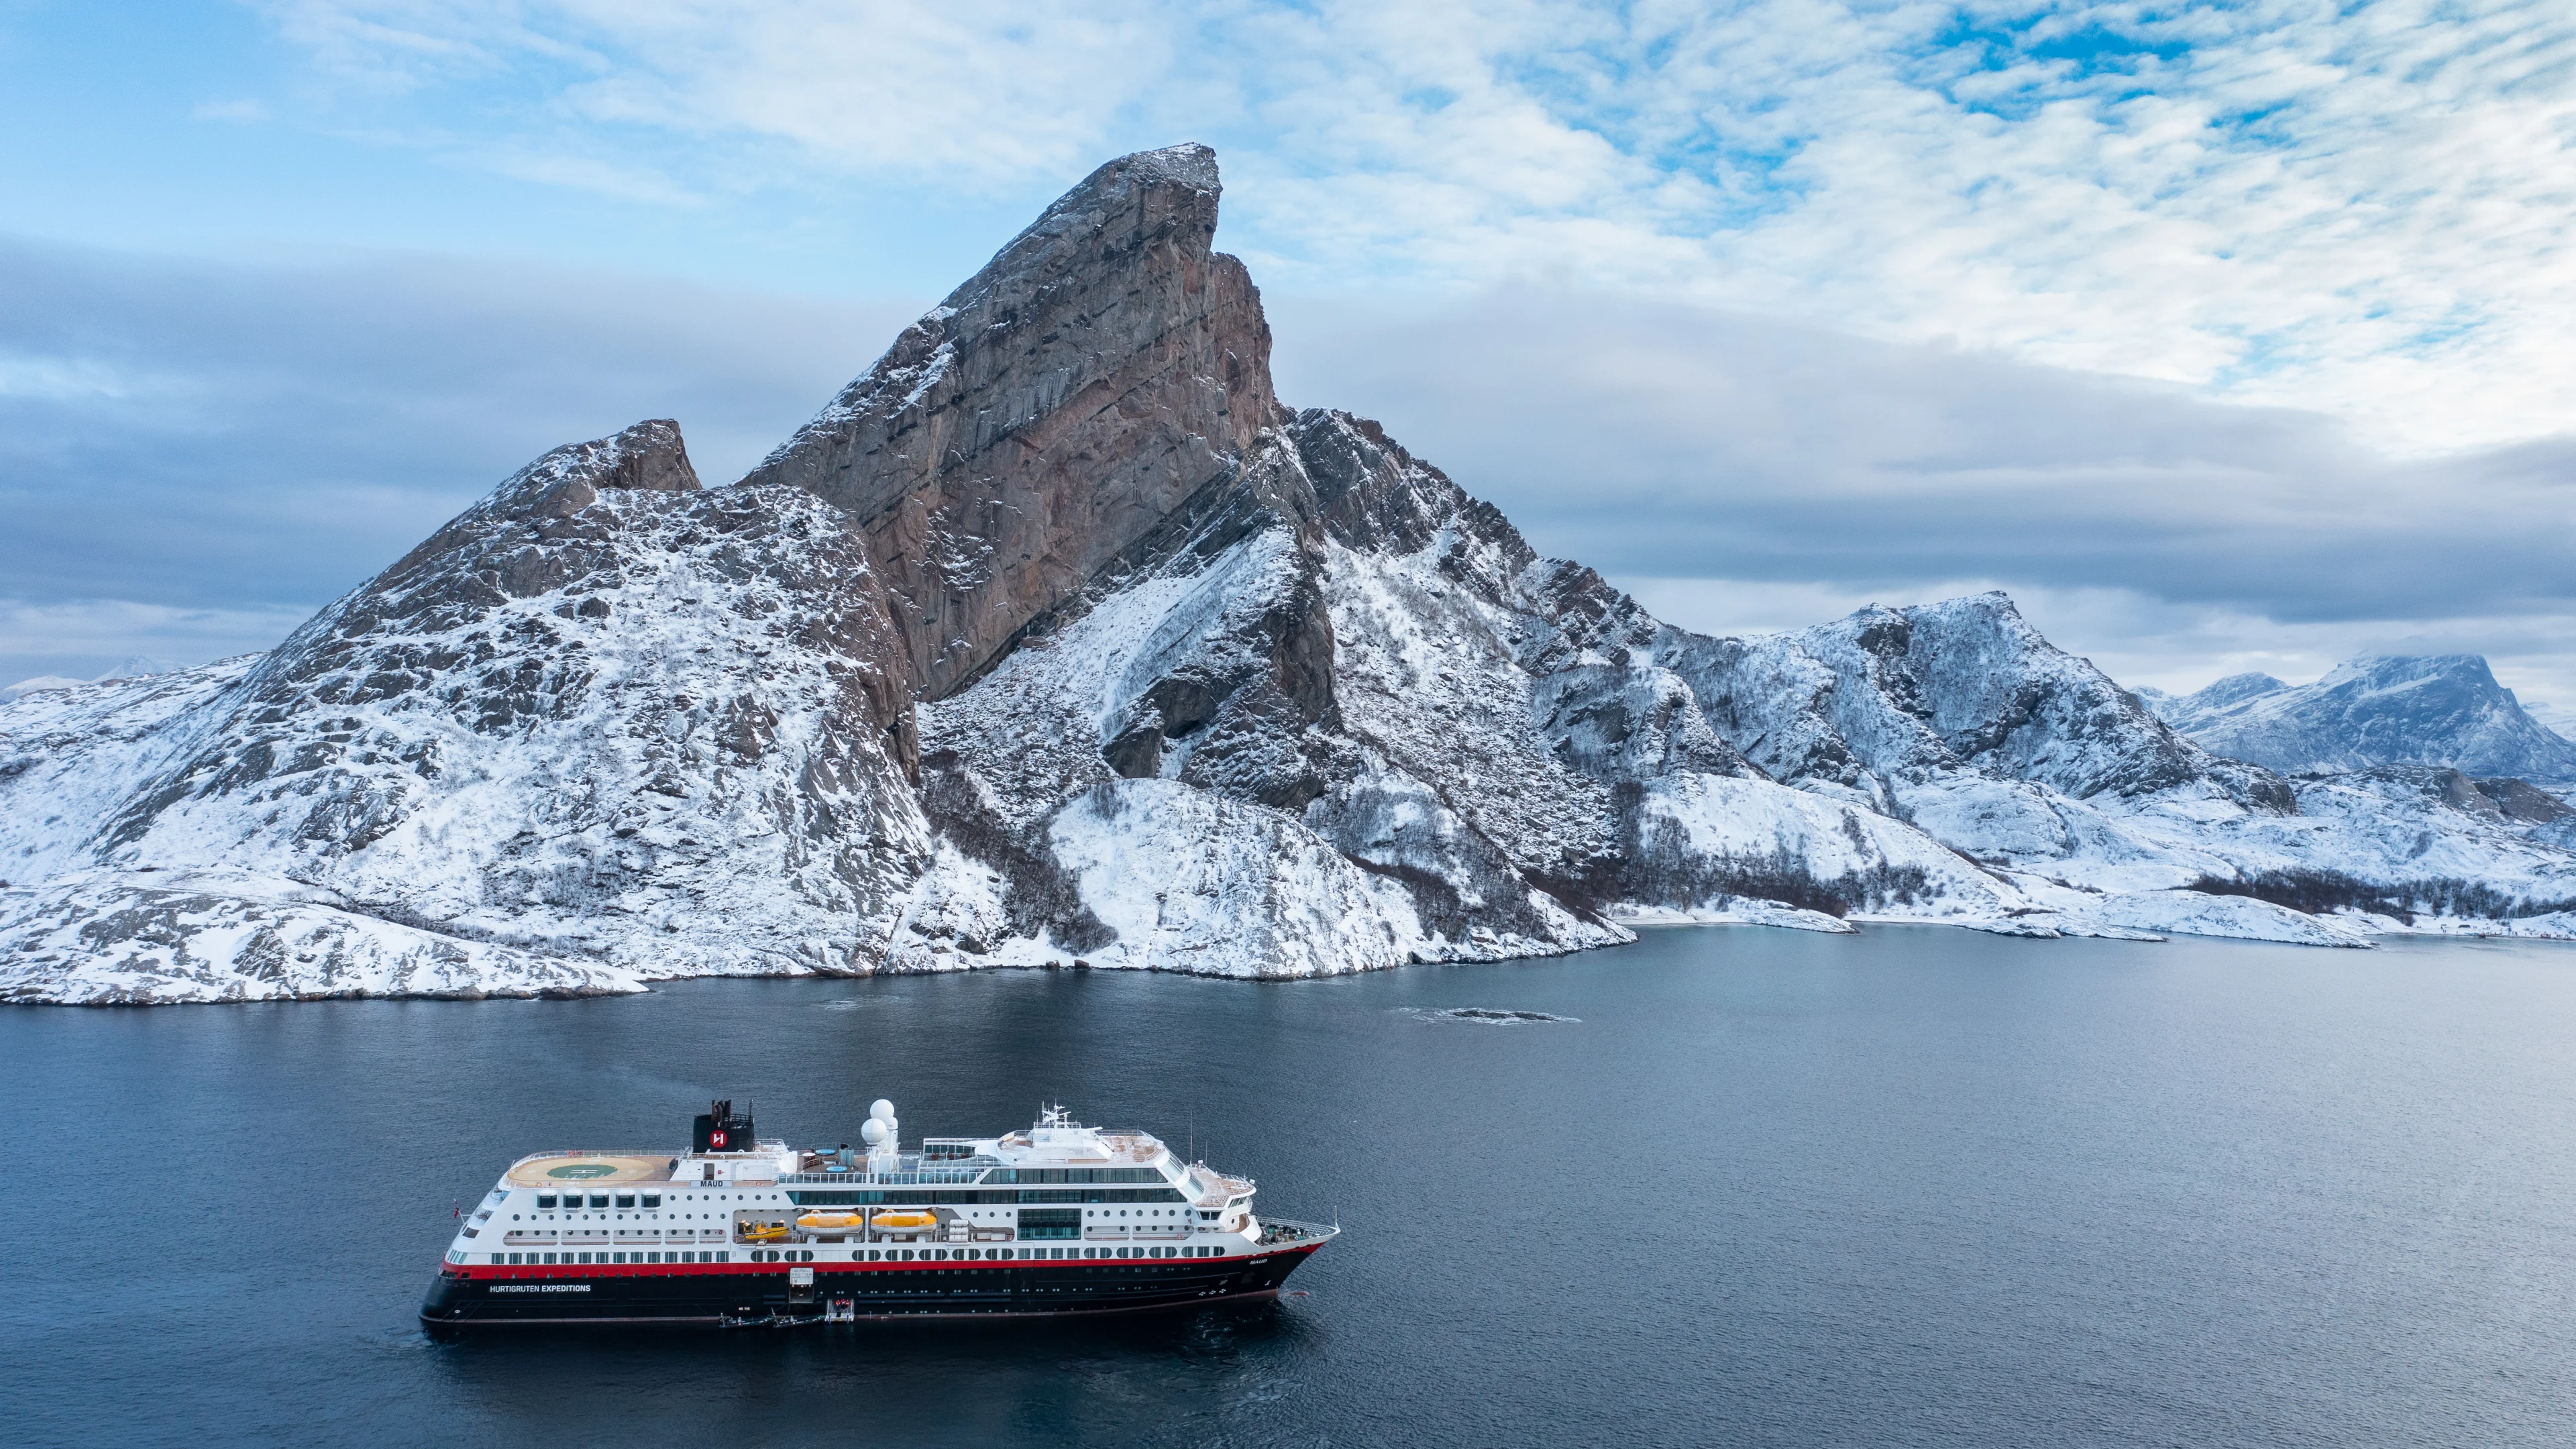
1726,1186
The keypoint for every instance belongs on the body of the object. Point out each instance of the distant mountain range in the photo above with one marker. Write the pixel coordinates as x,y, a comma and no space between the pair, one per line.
134,667
2442,709
1058,639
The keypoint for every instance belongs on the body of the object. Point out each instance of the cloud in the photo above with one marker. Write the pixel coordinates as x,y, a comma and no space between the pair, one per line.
1751,474
2349,208
62,379
244,443
81,638
974,89
588,173
238,444
2140,640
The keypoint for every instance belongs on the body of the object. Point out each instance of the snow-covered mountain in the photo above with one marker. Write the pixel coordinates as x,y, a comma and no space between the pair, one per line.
1058,638
1960,719
37,684
2378,710
605,726
134,666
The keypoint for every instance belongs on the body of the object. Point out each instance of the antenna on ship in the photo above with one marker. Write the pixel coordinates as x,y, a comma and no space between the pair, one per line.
883,1135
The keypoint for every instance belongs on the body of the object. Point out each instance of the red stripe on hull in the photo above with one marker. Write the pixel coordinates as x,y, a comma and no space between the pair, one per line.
767,1294
986,1316
517,1272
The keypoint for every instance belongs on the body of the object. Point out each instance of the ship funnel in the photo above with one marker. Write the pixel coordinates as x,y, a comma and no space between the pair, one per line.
721,1129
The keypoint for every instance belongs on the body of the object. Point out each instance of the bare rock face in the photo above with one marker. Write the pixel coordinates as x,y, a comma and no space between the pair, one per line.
1053,410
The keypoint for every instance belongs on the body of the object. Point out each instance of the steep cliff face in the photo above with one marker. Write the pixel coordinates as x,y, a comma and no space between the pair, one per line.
2378,710
1338,632
1106,365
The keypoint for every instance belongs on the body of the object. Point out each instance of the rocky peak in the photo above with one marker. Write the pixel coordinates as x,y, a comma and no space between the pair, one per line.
1904,696
2234,689
2443,709
1102,369
2405,671
547,499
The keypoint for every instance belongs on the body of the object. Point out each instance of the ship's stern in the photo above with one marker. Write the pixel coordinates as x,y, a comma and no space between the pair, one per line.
444,1305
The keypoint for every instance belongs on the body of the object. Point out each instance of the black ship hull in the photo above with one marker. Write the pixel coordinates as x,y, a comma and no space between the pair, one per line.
722,1294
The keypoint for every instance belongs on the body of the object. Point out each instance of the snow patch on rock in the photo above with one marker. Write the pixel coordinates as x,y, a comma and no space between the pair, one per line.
2190,913
1194,882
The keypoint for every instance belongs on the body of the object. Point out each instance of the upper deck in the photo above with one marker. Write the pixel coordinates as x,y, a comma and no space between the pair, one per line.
1055,1152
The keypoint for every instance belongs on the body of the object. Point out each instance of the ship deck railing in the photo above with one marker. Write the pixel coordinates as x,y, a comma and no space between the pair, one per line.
1282,1232
909,1177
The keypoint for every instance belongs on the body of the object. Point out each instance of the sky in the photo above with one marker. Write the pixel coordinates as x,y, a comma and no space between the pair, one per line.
2223,337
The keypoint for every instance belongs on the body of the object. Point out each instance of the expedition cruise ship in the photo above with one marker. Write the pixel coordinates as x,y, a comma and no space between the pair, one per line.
1060,1218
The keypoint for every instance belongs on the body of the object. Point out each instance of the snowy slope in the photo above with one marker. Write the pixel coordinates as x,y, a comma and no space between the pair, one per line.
602,715
1172,677
65,753
1961,719
12,692
118,940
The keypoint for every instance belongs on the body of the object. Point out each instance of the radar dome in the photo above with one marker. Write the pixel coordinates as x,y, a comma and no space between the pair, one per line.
872,1132
883,1111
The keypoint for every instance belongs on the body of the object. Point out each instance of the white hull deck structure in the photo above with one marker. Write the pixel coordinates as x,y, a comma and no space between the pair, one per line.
1057,1219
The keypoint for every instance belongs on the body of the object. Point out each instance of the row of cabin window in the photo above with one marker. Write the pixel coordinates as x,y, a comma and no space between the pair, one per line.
546,1200
944,1152
536,1259
955,1151
873,1255
912,1197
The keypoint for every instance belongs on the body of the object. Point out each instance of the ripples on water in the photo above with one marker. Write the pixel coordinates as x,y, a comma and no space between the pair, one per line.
1487,1016
1910,1187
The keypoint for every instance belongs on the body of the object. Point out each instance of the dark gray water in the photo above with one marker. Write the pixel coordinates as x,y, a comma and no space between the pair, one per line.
1914,1187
